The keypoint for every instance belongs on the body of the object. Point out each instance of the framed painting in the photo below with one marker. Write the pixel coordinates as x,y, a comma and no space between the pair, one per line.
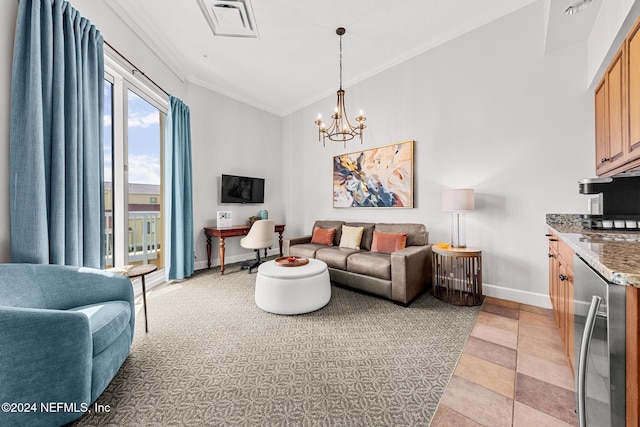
376,178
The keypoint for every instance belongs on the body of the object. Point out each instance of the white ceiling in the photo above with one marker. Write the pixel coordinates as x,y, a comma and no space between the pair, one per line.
295,60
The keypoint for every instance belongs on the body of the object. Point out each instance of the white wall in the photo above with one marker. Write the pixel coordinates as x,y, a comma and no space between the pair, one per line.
236,139
488,110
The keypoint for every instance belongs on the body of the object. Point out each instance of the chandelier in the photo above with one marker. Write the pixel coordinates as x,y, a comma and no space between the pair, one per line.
340,128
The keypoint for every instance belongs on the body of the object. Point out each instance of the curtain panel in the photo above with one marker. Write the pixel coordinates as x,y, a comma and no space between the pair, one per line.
179,254
56,151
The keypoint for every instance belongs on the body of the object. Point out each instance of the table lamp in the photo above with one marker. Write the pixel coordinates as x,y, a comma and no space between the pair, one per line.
457,202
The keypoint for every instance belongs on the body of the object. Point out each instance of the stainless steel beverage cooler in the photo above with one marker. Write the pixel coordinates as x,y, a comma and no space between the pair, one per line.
600,354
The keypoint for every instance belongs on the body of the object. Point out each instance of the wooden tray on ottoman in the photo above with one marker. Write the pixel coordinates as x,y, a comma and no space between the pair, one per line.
284,261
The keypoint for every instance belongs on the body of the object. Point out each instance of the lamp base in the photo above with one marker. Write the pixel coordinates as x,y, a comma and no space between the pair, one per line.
458,236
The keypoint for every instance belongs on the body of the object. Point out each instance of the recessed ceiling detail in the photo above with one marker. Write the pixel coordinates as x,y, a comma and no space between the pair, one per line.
296,50
230,18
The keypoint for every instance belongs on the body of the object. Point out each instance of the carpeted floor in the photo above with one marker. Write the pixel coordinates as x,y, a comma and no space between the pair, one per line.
213,358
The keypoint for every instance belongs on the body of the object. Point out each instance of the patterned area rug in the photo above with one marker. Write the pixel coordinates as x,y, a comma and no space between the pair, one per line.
213,358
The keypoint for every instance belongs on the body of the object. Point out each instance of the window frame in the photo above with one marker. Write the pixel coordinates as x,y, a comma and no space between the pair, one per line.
123,79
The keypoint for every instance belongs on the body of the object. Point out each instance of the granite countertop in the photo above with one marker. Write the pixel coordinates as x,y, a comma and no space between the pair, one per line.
614,254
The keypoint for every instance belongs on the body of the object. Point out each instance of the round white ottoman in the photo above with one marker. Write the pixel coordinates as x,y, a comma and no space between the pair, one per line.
292,290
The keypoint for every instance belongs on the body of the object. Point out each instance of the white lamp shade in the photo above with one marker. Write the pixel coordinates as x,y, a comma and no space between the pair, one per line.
458,200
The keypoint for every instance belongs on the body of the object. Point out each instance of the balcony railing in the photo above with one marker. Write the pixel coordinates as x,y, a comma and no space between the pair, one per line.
143,240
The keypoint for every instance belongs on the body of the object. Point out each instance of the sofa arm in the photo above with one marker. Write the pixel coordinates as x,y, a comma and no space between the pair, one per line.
295,241
45,356
410,272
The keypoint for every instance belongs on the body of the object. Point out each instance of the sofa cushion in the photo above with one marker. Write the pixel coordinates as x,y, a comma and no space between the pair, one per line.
370,264
331,224
305,250
416,233
323,236
351,237
387,243
367,233
335,257
107,321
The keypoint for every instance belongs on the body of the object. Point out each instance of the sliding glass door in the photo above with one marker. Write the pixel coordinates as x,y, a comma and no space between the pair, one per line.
145,130
134,121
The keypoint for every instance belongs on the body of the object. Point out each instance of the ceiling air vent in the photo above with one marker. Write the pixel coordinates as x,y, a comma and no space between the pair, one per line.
230,18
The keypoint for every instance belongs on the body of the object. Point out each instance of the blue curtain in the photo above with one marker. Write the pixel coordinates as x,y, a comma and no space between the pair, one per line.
56,157
178,193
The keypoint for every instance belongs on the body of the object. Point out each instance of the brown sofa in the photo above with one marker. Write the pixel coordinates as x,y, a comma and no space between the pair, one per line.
400,276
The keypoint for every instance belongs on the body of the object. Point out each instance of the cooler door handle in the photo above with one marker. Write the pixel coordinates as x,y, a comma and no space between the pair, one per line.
582,362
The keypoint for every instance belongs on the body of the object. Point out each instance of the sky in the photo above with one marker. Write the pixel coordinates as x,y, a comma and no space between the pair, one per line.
143,127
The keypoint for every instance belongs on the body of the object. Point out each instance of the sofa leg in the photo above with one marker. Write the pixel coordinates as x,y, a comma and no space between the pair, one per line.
407,304
402,304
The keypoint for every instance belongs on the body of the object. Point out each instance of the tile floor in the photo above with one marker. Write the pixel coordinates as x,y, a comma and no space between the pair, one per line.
512,372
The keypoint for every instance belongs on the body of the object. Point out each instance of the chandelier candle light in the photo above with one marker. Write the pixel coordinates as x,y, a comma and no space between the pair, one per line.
340,129
456,202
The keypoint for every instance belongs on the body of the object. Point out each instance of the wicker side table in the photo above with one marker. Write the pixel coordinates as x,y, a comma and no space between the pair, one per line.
457,275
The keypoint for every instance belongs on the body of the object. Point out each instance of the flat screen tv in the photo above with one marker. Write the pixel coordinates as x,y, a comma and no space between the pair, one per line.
241,189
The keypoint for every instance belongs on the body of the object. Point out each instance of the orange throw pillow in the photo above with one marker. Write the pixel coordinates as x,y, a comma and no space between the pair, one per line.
323,236
388,242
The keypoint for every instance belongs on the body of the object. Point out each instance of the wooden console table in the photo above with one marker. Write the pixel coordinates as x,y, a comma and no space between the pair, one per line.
234,231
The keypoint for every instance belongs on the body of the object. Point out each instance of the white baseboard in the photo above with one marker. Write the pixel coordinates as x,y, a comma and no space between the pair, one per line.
151,280
524,297
215,262
201,265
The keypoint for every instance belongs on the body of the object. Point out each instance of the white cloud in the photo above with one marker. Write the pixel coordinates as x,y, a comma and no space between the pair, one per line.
144,169
132,96
137,120
108,167
107,119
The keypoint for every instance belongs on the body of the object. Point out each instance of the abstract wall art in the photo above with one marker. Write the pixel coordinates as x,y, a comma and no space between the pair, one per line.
380,177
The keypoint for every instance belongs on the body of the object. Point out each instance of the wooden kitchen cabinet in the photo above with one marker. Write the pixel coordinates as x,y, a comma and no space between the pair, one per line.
611,114
553,272
617,110
633,82
602,127
561,291
569,328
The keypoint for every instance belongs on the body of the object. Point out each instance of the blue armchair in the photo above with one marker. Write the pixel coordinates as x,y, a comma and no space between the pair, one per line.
64,333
